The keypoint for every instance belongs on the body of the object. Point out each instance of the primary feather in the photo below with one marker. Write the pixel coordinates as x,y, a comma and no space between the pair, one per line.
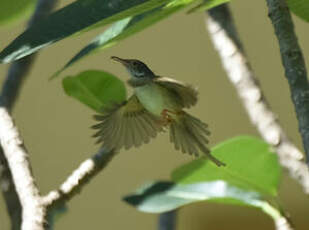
126,125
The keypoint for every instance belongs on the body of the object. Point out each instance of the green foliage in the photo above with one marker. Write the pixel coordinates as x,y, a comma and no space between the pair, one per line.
252,174
95,88
127,27
159,197
300,8
77,16
12,10
250,164
207,4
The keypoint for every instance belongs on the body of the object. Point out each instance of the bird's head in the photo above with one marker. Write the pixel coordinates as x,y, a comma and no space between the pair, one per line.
136,68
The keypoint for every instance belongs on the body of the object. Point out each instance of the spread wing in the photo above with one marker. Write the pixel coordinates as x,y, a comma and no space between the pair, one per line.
126,125
186,94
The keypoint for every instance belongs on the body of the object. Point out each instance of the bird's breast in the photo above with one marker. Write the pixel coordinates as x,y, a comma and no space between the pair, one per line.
155,98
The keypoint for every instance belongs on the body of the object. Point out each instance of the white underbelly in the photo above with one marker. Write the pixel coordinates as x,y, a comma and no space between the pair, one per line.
153,98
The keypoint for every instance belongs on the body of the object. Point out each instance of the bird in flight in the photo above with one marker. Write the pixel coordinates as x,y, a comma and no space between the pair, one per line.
157,104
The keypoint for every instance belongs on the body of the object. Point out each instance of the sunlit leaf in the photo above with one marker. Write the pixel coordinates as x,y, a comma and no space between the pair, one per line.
250,164
12,10
250,178
95,89
207,4
162,197
77,16
300,8
127,27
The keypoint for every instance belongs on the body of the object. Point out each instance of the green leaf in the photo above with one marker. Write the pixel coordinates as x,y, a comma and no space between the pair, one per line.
127,27
12,10
77,16
251,164
300,8
161,197
95,89
207,4
252,174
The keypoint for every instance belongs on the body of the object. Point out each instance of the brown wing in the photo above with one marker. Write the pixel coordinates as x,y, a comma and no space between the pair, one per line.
126,125
186,94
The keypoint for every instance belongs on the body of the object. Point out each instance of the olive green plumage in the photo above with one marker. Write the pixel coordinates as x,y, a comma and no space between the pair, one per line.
156,105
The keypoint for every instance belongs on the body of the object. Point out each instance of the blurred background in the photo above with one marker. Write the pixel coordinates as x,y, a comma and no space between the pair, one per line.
56,130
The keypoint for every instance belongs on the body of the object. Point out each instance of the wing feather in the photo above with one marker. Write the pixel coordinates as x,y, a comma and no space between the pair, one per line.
186,94
126,125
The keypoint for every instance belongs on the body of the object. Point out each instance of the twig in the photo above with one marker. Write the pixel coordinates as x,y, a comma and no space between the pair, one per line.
15,165
79,178
167,220
294,65
35,207
283,224
10,91
9,193
226,40
17,157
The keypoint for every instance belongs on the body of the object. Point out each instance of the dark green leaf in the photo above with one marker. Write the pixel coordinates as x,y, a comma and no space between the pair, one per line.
166,196
127,27
11,10
77,16
300,8
207,4
251,165
95,88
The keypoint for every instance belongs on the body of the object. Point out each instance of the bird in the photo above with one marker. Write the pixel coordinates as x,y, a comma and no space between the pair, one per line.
156,105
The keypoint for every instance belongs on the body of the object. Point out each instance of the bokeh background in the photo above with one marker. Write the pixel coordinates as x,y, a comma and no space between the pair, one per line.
56,130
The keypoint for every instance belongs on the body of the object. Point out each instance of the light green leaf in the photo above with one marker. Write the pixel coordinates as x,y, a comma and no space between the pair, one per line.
77,16
95,88
250,164
161,197
12,10
127,27
300,8
207,4
250,178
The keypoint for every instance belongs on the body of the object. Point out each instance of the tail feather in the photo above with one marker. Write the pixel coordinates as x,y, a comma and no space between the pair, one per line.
189,134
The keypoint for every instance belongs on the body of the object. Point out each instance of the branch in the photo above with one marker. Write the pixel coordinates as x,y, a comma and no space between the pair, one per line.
167,220
226,40
283,224
10,91
79,178
17,157
294,65
14,157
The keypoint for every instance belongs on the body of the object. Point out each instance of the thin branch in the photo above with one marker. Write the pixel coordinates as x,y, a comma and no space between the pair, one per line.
17,157
9,193
15,165
283,224
294,65
167,220
10,91
34,207
79,178
226,40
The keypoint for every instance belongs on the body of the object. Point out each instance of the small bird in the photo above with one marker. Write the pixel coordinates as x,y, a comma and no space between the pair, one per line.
156,105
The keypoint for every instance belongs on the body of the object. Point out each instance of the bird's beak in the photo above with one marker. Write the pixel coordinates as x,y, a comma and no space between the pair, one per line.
125,62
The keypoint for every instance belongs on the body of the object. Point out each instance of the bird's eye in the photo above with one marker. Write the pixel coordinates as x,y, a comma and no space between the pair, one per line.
134,63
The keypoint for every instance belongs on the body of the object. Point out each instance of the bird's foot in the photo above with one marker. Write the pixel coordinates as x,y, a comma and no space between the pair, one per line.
166,116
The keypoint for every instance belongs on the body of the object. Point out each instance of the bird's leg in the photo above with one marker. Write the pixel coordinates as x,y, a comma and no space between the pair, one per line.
166,116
